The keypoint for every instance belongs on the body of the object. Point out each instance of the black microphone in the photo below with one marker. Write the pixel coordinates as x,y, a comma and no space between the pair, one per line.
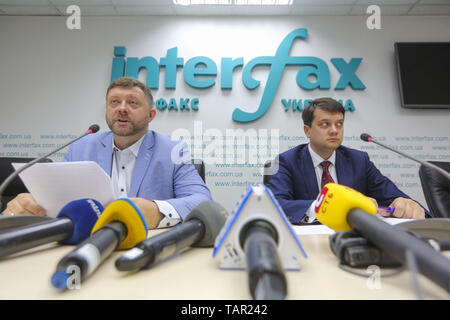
199,229
121,225
368,138
11,222
342,208
265,272
397,242
89,254
92,129
72,225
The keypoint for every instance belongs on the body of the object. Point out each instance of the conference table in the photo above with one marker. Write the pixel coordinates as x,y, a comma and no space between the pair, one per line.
195,275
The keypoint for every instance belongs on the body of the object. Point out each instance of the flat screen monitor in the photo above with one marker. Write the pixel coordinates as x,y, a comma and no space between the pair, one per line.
423,70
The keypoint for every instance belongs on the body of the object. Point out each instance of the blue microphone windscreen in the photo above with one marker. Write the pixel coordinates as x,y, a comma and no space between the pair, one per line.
84,214
59,280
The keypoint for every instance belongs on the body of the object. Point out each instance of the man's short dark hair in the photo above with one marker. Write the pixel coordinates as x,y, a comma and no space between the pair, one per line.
326,104
129,82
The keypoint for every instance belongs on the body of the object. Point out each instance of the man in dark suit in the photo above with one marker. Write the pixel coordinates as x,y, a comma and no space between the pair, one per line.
303,170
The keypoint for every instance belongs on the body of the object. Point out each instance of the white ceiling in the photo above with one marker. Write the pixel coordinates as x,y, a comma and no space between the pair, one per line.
166,7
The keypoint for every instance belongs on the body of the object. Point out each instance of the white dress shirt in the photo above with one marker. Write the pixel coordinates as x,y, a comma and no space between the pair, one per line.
317,160
122,171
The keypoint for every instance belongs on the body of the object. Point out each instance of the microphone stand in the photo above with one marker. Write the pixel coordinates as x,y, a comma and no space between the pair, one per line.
425,163
12,176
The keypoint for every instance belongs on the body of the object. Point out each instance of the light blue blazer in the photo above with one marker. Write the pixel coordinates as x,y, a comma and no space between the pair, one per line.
155,176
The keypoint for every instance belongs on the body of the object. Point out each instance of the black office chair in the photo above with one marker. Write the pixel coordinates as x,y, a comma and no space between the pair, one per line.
436,189
16,186
200,166
269,170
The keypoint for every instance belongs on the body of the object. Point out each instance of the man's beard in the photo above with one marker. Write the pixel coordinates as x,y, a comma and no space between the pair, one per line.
130,130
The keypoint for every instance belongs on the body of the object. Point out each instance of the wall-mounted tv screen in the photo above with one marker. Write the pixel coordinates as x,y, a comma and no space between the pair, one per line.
423,70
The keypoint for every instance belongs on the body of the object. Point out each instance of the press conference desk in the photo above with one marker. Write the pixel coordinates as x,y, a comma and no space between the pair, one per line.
195,275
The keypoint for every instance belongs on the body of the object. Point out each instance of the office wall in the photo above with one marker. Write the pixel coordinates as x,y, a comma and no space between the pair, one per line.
53,82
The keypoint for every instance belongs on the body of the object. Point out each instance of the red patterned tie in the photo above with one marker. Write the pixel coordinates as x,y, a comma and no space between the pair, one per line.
326,176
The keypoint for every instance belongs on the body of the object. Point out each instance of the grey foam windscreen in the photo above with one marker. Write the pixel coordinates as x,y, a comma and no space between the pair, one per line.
213,216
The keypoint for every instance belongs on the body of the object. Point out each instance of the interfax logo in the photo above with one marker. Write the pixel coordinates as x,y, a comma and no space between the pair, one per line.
201,72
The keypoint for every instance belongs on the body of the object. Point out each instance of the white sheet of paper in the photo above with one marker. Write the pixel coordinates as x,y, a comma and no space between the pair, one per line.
394,221
55,184
322,229
312,229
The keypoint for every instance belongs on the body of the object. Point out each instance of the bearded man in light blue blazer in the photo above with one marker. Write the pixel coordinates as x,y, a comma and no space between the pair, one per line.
152,170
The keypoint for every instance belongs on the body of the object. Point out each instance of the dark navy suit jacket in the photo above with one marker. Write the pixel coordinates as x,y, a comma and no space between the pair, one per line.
295,187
